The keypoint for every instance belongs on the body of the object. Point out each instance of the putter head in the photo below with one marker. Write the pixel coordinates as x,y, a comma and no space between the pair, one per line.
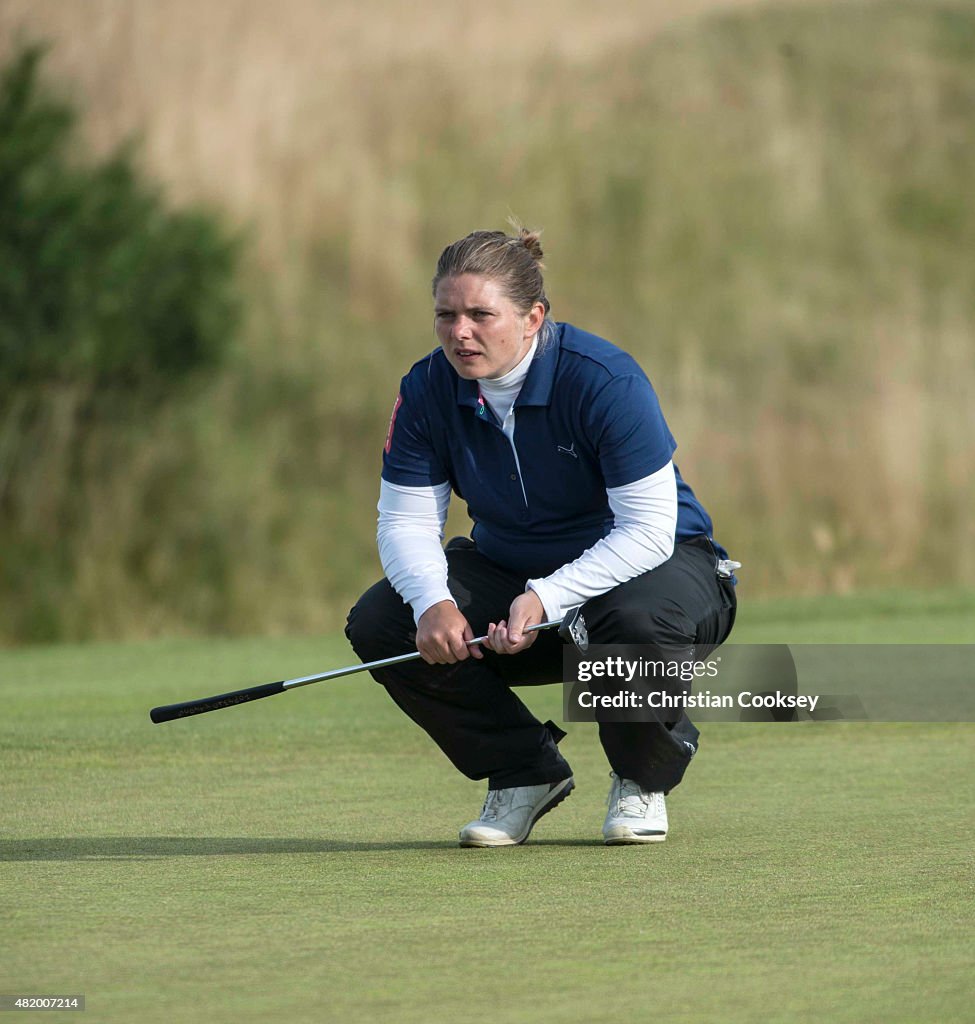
573,629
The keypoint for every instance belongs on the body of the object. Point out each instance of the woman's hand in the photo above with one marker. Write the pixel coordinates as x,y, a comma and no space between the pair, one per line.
510,637
441,635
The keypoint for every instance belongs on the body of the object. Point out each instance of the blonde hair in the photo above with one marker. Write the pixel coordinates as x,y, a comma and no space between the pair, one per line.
514,261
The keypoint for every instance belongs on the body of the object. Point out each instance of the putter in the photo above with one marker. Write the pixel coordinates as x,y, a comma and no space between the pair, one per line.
572,628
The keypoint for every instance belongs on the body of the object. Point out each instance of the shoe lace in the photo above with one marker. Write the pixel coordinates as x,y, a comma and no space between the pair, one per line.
628,798
496,804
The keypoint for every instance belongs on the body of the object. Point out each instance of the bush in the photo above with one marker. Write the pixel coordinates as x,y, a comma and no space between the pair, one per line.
99,281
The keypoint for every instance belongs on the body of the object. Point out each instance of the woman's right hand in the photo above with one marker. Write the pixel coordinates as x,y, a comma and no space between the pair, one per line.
441,635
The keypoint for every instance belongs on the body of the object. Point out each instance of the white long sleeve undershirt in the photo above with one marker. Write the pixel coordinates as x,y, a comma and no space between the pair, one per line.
409,537
642,537
411,529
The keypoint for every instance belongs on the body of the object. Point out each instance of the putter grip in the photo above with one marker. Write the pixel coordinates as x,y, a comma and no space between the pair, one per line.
169,712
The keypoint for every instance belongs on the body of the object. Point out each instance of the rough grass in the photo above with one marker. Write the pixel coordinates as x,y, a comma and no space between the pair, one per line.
770,206
293,860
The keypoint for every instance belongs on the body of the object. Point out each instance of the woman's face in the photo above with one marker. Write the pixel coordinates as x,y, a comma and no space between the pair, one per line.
479,328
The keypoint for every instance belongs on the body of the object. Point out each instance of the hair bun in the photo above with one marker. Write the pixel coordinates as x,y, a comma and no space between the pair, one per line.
532,241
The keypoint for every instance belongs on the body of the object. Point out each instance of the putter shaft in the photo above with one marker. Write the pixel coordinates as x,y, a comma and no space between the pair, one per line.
398,659
572,623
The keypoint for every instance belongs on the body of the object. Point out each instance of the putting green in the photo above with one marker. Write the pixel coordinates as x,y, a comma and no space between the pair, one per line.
294,859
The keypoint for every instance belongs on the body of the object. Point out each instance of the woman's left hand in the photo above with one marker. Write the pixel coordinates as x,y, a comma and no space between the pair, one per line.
510,637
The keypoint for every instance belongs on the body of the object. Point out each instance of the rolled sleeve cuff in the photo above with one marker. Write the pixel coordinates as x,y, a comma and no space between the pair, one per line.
427,600
550,596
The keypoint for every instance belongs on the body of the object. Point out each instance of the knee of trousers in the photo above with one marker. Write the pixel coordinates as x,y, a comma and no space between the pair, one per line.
370,627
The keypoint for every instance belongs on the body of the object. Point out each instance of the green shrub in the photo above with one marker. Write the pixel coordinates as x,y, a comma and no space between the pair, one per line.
99,281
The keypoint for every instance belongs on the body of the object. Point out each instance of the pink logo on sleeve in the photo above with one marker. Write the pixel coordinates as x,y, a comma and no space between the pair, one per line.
392,423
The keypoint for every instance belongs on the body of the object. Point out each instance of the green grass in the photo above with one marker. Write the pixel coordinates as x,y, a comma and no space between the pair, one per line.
293,859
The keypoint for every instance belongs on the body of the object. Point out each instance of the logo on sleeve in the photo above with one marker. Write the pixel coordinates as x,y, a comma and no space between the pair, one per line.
392,423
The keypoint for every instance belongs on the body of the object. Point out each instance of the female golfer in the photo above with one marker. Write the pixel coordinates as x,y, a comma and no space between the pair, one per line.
556,441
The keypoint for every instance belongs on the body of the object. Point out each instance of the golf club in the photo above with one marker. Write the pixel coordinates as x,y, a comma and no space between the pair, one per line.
572,628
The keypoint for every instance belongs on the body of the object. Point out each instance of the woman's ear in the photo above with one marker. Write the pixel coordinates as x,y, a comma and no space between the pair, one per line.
534,320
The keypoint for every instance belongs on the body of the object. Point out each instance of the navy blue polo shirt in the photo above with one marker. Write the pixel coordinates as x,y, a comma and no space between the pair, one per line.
586,419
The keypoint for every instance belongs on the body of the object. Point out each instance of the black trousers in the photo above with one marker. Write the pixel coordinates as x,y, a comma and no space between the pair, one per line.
470,710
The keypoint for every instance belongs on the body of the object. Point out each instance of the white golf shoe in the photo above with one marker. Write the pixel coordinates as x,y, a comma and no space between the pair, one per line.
635,815
509,814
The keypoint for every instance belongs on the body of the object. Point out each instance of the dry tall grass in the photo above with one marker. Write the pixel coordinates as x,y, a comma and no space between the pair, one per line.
771,208
278,110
